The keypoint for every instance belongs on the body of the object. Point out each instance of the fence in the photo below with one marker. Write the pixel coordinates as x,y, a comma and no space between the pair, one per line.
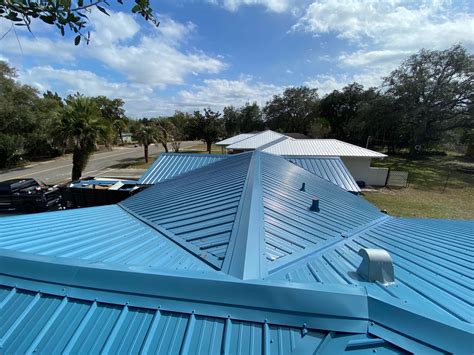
397,178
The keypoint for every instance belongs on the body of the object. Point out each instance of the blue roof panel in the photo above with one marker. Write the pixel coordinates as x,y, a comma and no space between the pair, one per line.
42,323
433,263
169,165
291,228
105,234
328,168
197,210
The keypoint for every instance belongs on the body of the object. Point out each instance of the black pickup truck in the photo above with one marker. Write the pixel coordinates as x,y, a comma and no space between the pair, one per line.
28,195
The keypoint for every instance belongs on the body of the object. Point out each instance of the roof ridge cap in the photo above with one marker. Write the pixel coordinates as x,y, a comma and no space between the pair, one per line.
245,256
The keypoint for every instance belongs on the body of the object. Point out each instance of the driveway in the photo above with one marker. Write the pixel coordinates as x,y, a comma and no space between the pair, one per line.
59,170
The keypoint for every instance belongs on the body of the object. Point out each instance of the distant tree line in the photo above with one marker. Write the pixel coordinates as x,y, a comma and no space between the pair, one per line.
426,101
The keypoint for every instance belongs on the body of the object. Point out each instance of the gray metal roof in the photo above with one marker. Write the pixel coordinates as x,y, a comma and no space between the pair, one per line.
235,139
320,147
258,141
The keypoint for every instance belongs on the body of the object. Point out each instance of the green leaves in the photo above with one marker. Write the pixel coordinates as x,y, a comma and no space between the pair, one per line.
64,14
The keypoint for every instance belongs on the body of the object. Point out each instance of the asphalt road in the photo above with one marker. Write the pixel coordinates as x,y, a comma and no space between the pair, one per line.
59,170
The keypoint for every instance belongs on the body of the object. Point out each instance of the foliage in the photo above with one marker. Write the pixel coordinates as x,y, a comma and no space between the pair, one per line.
66,14
82,127
207,127
294,111
180,124
112,110
145,133
25,119
433,93
243,120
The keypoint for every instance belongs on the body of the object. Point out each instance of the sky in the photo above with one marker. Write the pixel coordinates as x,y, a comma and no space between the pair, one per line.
216,53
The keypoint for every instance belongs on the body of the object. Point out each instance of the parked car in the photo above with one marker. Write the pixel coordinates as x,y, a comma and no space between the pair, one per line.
28,195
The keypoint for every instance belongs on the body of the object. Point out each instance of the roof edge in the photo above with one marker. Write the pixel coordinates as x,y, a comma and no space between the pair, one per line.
319,307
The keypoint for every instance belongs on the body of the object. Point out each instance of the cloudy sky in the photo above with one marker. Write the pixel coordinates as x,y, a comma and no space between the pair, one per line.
221,52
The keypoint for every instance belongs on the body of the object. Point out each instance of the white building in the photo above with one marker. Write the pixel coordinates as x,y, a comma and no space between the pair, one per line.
357,159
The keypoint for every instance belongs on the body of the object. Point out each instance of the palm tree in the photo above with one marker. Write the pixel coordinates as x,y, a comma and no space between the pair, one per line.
82,127
119,125
145,134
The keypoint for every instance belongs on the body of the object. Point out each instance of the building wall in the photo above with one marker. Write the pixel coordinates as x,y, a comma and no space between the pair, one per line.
362,171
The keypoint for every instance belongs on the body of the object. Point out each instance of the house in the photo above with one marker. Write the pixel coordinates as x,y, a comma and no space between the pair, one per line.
236,257
357,159
169,165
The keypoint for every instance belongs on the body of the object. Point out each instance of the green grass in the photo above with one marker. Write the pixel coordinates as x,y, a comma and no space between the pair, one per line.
437,189
202,148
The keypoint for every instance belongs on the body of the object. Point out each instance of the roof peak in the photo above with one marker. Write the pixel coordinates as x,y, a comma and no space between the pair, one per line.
247,214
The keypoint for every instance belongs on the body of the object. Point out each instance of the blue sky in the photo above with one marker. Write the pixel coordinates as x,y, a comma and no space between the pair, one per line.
222,52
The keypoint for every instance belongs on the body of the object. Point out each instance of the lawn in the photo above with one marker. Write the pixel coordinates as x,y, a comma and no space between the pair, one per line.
437,189
202,148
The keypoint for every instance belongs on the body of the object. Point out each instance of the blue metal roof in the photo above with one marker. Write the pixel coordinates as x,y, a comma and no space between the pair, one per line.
433,262
329,168
232,259
169,165
105,234
68,325
196,210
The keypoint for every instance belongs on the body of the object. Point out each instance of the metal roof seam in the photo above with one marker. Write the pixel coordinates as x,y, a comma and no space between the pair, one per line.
209,259
320,250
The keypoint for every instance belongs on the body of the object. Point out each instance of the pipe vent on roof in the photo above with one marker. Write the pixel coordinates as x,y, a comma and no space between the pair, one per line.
315,204
303,187
376,265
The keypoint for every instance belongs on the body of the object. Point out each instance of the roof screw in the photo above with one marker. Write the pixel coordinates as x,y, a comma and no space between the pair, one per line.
315,205
303,187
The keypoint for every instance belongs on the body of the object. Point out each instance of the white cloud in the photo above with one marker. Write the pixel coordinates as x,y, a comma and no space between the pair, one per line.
328,83
144,55
271,5
388,32
218,93
141,100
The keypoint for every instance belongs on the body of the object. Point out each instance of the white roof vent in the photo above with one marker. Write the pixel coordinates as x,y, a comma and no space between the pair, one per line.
376,265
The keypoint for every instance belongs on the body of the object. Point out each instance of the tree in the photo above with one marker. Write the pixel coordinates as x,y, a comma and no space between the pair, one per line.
340,110
294,111
25,120
433,93
112,110
145,133
208,127
163,132
82,126
247,118
180,124
231,119
65,15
